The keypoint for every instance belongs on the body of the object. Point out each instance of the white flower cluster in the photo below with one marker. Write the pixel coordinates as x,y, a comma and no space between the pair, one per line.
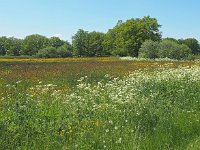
146,59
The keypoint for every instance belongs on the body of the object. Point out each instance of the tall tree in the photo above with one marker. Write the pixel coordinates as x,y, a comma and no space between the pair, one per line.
126,38
80,43
56,42
109,41
15,46
3,45
96,44
33,43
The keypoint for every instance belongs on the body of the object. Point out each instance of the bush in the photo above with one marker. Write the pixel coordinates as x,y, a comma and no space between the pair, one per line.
149,49
185,51
173,50
48,52
164,49
52,52
191,57
64,51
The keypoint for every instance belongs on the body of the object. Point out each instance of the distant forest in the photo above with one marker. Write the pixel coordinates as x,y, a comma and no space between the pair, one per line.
138,37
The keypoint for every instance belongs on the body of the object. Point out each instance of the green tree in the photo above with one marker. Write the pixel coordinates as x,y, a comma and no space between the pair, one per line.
149,49
193,44
173,50
185,51
171,39
47,52
96,40
126,38
33,43
64,50
56,42
14,47
108,43
167,48
80,43
4,43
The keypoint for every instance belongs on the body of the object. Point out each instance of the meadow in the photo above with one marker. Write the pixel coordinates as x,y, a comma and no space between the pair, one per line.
99,103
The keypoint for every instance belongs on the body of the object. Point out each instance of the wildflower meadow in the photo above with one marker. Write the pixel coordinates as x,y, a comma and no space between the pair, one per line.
99,104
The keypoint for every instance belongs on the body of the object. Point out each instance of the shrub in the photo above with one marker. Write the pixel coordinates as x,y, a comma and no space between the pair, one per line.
164,49
48,52
149,49
64,51
173,50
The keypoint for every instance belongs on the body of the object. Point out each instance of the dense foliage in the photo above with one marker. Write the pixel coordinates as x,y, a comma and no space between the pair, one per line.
164,49
125,39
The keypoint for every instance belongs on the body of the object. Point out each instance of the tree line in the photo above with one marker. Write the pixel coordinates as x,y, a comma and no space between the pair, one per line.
134,37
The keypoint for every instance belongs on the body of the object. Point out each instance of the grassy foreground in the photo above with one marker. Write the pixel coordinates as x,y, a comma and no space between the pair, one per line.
114,105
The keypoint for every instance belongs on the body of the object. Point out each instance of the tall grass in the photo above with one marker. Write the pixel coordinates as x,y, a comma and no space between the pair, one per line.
146,110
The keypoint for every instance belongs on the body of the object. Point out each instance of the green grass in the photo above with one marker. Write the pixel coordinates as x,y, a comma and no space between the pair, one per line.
156,108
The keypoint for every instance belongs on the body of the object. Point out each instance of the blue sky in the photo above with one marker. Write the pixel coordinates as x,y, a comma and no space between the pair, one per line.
19,18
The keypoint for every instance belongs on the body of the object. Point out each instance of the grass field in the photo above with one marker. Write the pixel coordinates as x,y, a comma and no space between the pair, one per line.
99,103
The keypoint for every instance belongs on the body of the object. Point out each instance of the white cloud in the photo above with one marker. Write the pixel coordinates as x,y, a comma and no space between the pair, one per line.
57,35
